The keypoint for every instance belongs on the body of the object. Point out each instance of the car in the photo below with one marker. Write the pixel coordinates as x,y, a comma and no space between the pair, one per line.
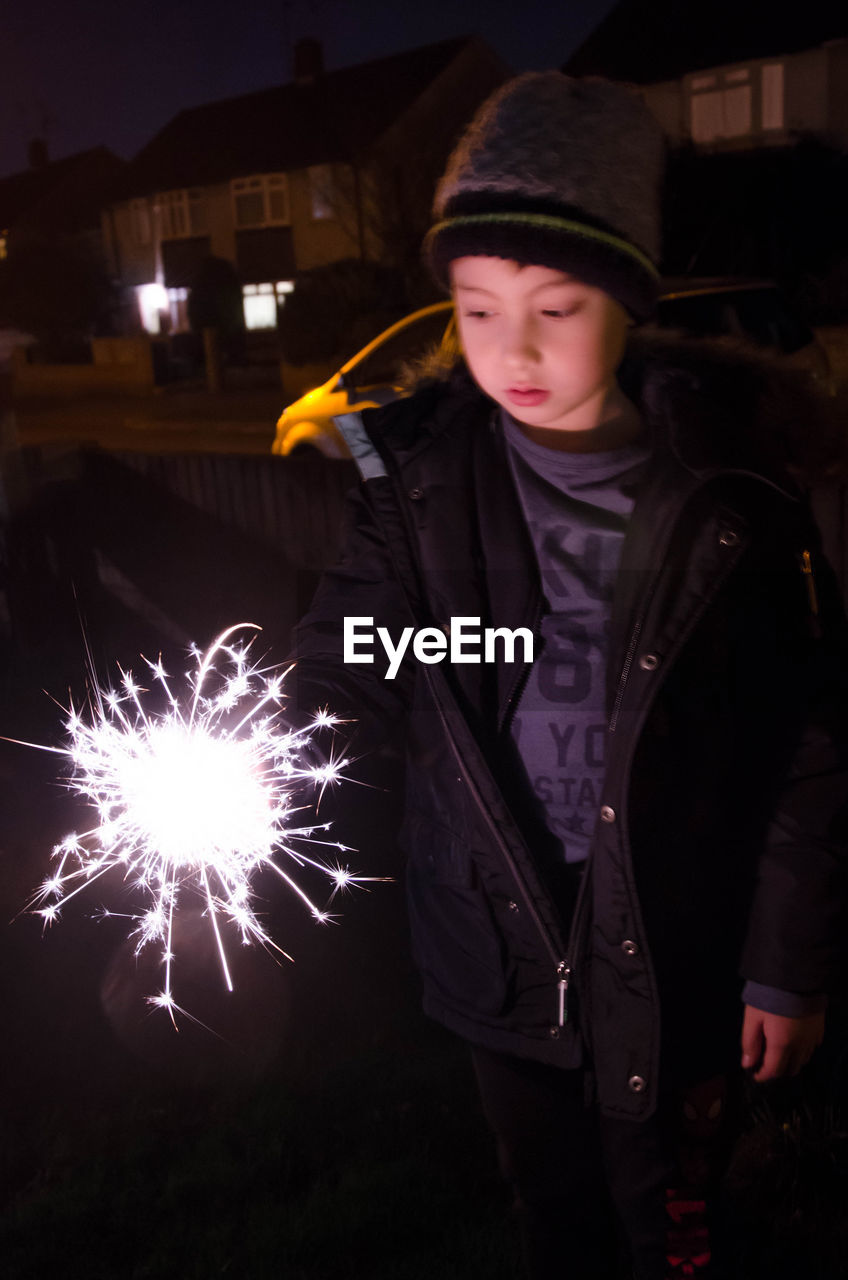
752,311
371,377
727,308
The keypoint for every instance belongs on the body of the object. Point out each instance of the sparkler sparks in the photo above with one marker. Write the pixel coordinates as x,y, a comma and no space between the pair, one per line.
193,800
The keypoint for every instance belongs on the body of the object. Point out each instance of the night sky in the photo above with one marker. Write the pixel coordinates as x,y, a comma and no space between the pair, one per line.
95,72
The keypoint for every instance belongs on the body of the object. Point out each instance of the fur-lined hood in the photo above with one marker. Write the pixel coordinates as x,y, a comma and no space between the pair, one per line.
718,403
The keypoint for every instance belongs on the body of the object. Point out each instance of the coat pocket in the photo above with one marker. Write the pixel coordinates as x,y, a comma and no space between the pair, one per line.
456,943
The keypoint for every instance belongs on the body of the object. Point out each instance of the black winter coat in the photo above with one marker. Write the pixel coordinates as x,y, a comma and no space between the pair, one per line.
719,851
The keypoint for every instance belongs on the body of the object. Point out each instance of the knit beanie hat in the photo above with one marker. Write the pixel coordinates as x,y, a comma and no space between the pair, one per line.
561,173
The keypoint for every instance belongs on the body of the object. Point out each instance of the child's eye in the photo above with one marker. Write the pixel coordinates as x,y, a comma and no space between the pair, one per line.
477,314
561,313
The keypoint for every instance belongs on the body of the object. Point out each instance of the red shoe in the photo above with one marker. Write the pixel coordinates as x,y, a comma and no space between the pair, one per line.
688,1249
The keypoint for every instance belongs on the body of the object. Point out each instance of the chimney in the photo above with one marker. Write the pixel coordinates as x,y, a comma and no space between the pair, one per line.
308,60
37,153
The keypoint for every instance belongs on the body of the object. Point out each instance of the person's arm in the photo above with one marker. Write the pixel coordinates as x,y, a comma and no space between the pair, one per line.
775,1046
361,584
796,926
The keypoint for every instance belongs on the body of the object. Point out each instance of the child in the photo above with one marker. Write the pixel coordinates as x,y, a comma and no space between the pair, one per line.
609,836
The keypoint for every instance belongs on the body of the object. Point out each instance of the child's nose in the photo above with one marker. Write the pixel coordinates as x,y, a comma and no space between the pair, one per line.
520,347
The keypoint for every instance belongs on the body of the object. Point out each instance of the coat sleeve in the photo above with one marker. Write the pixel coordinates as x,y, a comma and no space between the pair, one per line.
362,584
796,930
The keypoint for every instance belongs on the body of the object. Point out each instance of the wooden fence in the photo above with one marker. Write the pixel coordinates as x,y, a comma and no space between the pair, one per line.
186,542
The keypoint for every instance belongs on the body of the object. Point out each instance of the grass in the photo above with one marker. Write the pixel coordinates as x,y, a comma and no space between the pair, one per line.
379,1169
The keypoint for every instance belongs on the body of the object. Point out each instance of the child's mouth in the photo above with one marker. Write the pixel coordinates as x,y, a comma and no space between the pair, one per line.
526,397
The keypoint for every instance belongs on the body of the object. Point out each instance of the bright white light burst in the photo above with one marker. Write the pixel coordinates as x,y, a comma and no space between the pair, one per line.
195,799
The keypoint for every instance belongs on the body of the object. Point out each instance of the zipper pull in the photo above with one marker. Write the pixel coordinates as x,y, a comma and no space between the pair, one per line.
812,594
563,974
807,570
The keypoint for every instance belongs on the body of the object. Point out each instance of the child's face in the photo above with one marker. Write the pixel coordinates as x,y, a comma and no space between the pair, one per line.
540,343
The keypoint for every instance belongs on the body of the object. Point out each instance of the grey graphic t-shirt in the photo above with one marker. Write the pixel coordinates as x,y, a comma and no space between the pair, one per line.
576,507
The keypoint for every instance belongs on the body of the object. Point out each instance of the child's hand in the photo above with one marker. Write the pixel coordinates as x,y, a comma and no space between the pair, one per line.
776,1045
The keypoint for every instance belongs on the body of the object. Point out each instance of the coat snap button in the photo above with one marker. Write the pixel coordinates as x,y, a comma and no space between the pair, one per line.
553,1032
513,906
416,493
607,813
636,1084
629,947
728,538
649,662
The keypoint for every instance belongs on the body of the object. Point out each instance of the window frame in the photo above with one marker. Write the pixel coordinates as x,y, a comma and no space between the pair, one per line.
264,184
191,204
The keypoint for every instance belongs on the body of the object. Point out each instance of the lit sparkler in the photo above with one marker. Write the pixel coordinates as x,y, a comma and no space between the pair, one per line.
195,799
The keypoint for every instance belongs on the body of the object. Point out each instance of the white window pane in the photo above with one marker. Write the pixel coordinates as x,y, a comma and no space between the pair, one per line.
741,76
773,95
737,111
152,301
260,311
197,217
278,205
703,82
706,117
321,191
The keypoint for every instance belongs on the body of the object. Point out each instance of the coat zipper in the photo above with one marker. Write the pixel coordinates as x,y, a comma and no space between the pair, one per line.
562,969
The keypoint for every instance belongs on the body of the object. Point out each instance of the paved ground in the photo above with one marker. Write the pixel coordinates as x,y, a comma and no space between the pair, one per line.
173,421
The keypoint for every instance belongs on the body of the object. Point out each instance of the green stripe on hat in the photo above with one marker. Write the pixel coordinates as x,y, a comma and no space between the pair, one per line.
546,222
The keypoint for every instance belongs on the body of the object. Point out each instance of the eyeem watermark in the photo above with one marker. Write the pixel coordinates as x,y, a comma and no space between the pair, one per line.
464,642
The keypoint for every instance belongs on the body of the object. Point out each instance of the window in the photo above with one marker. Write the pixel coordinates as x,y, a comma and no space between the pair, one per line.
181,213
4,245
178,309
322,192
261,302
152,302
772,109
261,200
721,110
140,222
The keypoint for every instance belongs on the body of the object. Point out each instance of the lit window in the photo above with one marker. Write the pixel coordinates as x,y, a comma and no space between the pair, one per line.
321,191
152,300
261,302
4,245
772,105
178,309
260,311
261,200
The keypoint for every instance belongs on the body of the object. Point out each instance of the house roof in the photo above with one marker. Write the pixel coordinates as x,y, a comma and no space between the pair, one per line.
644,41
62,195
292,126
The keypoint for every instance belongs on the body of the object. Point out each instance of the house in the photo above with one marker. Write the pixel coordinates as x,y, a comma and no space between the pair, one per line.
59,197
283,179
725,76
50,239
